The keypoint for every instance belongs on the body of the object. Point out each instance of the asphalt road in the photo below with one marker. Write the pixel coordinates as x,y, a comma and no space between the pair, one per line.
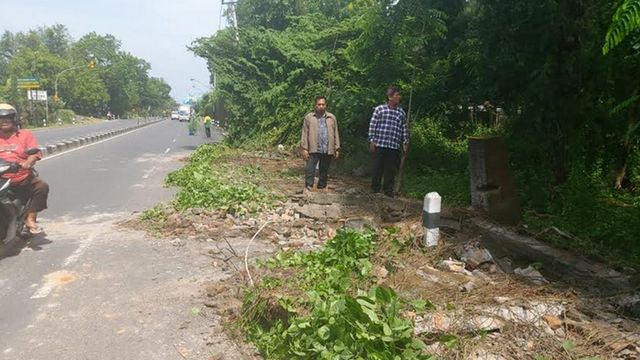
52,135
90,288
125,173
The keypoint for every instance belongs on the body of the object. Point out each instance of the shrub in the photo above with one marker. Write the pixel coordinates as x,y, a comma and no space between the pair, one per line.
65,115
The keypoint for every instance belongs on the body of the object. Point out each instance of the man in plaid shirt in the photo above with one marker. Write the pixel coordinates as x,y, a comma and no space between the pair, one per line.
388,131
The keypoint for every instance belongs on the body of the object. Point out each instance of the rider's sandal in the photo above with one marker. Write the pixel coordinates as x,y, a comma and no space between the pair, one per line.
35,230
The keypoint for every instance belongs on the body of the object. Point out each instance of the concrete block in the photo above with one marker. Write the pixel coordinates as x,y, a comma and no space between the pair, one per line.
492,188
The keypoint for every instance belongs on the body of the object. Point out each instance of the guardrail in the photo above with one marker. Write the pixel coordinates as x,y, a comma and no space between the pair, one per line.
72,143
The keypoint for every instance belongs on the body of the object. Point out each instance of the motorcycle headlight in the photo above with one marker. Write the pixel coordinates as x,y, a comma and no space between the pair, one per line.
4,168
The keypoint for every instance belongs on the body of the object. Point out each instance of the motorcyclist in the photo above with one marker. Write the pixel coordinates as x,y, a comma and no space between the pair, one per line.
13,144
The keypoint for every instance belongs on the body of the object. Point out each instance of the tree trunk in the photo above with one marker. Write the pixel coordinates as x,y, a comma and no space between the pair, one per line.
621,168
623,153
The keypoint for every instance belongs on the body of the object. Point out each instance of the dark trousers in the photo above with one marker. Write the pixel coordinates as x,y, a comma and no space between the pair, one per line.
385,165
35,188
207,131
310,169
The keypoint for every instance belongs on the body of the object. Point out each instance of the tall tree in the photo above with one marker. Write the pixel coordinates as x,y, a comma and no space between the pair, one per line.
56,38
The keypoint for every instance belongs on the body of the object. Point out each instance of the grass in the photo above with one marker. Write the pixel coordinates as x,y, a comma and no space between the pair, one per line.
211,181
452,186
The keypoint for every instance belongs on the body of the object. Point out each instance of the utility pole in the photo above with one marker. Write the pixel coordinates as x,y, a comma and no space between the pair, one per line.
232,7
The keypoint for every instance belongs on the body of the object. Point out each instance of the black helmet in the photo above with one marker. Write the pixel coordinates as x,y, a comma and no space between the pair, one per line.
7,112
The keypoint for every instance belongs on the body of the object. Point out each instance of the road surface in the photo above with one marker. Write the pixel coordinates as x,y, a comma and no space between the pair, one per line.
90,288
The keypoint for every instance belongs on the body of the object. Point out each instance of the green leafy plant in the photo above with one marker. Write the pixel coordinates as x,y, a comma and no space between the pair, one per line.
204,184
625,20
155,217
332,320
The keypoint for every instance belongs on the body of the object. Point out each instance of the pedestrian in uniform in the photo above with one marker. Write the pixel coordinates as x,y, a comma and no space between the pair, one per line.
320,143
207,126
388,133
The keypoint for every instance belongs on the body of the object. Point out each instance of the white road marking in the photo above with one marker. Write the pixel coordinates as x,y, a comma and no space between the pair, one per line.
44,291
94,143
48,286
76,254
168,149
174,140
149,172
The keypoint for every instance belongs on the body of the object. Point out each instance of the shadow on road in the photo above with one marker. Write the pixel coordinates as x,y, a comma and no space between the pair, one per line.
15,247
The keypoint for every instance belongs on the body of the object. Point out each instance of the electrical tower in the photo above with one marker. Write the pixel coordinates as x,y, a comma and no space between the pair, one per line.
231,6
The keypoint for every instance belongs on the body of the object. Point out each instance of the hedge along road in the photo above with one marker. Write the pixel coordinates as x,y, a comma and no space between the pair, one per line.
87,288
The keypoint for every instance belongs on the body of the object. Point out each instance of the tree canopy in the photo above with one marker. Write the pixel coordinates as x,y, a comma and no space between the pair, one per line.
119,82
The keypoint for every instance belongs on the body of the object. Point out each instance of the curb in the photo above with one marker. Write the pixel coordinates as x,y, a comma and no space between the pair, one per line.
72,143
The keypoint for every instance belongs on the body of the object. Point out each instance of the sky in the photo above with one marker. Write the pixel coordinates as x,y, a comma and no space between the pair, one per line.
157,31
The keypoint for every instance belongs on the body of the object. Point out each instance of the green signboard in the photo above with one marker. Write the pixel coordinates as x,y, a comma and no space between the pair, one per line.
28,83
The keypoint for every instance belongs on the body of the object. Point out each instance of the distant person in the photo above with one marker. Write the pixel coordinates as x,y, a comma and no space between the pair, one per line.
320,143
13,145
388,132
207,126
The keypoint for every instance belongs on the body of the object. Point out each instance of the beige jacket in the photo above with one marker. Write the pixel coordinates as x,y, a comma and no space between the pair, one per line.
309,140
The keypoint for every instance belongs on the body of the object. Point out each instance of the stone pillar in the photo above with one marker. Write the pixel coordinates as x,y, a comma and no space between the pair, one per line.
431,218
492,188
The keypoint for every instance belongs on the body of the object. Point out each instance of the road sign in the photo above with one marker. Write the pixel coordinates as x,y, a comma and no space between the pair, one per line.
28,83
28,86
37,95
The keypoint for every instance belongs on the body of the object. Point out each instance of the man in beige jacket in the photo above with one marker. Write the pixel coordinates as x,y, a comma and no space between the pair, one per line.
320,142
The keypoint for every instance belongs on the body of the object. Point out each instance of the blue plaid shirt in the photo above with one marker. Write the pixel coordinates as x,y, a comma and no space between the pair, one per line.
388,127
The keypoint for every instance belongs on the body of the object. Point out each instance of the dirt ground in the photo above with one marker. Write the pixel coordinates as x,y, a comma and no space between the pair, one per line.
496,313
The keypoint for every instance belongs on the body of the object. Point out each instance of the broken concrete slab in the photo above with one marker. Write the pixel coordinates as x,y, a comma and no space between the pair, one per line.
453,266
629,304
434,275
320,212
450,222
441,322
473,255
323,198
528,313
531,274
557,264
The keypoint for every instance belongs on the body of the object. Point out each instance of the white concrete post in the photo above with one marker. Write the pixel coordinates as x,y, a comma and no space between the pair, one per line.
431,218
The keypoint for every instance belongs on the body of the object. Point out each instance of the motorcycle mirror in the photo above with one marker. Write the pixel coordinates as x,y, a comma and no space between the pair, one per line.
32,151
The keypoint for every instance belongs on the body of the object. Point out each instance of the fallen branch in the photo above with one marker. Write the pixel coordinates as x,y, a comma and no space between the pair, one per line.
246,253
559,232
233,251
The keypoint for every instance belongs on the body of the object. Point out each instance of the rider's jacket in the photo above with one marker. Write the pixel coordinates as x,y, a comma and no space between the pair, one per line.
13,150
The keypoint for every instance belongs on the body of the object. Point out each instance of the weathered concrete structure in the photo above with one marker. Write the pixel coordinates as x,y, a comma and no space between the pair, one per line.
492,188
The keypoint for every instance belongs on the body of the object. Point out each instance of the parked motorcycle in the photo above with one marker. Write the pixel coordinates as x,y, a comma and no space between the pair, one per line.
14,203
